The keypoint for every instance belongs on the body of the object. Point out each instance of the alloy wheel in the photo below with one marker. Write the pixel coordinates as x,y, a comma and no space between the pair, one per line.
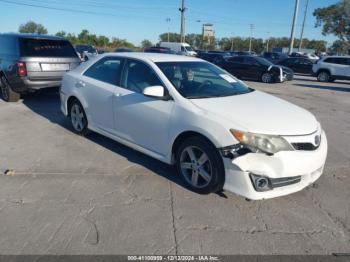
323,77
266,78
77,117
196,167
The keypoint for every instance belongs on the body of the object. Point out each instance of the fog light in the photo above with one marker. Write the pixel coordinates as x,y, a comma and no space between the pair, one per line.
260,183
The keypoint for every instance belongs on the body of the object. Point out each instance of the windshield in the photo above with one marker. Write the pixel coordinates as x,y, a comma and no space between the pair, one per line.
189,48
263,61
201,80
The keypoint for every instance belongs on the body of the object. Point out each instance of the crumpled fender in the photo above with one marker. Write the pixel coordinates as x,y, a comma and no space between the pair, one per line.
281,71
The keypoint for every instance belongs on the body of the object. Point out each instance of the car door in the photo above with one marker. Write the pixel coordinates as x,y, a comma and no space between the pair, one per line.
342,66
234,66
251,69
305,66
140,119
98,86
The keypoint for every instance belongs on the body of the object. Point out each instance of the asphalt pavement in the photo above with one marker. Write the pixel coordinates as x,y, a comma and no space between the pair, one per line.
66,194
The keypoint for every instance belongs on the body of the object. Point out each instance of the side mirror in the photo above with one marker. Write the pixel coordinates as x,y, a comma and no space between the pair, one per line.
154,91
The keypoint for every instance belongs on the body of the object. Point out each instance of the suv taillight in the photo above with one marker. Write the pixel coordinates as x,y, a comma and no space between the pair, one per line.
22,69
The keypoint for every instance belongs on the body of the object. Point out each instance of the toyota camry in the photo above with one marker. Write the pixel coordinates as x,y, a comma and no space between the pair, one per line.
220,133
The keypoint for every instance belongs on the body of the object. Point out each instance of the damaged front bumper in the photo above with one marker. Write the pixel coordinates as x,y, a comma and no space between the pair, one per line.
260,176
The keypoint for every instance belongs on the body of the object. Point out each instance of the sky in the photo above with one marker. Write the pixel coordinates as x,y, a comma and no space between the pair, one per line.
136,20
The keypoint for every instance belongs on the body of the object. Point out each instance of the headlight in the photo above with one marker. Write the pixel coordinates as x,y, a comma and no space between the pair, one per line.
266,143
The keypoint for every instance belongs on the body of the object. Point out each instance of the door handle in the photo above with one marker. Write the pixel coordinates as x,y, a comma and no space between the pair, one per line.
117,94
80,84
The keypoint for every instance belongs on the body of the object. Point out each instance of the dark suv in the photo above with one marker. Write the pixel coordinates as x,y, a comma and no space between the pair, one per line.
29,62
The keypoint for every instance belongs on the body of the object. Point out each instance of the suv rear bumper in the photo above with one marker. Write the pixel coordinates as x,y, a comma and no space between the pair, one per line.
25,84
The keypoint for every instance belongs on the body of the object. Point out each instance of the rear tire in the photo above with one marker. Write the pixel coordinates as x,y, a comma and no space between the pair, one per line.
323,76
78,118
7,93
200,165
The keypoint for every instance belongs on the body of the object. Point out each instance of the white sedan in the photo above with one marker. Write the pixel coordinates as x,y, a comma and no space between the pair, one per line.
220,134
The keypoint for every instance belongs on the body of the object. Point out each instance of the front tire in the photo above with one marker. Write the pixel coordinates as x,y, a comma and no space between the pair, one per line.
78,118
7,93
266,78
200,165
323,76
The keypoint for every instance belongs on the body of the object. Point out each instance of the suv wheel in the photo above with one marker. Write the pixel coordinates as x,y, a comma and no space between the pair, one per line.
323,76
78,118
200,165
7,93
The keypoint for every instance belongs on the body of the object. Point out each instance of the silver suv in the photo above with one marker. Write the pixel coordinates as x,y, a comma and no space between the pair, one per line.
330,68
29,62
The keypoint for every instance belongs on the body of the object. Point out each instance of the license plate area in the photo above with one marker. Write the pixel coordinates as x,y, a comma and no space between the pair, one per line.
55,67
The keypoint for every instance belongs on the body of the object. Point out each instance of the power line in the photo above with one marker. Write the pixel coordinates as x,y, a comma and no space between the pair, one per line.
71,10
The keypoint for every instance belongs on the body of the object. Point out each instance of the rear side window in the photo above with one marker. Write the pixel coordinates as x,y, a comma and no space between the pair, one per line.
338,60
8,45
106,70
46,48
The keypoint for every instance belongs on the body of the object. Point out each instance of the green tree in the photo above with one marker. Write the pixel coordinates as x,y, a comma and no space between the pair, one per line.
32,27
335,19
146,43
340,47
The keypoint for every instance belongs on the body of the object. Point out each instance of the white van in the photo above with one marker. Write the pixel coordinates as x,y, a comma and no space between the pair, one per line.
179,48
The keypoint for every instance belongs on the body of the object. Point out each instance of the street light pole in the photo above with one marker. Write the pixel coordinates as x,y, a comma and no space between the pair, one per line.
168,21
251,35
293,26
182,28
302,28
267,41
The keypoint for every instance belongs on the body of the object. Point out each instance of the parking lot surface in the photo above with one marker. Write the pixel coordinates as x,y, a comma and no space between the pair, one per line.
68,194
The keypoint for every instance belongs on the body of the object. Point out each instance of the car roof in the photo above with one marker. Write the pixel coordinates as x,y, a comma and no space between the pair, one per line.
155,57
35,36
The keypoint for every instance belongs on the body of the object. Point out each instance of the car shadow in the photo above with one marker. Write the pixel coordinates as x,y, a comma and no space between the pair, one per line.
332,88
46,103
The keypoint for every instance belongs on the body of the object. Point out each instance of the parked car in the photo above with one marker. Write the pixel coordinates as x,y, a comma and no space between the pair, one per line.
328,69
29,62
274,57
256,68
298,64
239,53
305,55
123,49
157,49
215,57
179,48
181,110
85,51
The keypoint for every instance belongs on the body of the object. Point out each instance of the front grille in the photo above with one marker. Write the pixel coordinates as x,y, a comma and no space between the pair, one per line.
304,146
284,181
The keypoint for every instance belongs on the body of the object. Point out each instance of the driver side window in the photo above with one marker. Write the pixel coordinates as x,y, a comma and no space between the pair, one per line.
137,76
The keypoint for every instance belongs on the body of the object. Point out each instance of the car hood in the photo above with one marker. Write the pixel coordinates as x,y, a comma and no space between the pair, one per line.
260,113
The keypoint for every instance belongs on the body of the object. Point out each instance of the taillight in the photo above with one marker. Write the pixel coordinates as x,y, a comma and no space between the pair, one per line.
22,70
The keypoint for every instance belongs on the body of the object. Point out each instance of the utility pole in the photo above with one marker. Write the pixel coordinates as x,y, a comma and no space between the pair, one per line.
168,21
267,41
293,26
251,35
182,28
302,28
231,43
